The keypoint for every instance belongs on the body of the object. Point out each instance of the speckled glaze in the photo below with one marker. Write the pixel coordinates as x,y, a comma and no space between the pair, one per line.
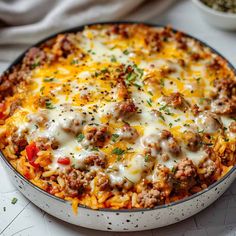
118,220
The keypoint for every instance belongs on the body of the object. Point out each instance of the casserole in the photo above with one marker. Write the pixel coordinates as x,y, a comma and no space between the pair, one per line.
124,165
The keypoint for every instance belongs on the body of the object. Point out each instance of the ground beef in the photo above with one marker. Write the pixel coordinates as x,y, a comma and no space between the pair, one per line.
10,79
41,101
161,143
14,106
40,118
122,90
76,181
215,65
19,141
33,58
150,198
102,181
169,143
192,140
95,159
196,56
63,46
153,41
177,100
223,106
232,127
184,170
209,122
124,109
128,133
96,135
181,41
225,86
195,109
151,144
44,143
120,29
207,167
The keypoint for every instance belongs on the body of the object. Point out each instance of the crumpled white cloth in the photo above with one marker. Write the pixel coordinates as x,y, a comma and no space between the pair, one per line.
24,22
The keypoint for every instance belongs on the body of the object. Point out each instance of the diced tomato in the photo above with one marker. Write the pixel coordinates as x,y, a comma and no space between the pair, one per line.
31,151
63,160
2,109
27,175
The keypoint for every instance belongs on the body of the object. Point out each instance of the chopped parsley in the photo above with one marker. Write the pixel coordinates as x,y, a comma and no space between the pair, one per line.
198,79
149,102
80,137
90,51
104,70
113,58
74,62
137,85
186,125
166,110
162,82
200,131
146,158
42,89
177,120
150,93
170,125
162,117
118,151
114,137
126,52
48,79
173,169
94,149
14,200
128,179
130,77
201,100
35,64
207,144
49,105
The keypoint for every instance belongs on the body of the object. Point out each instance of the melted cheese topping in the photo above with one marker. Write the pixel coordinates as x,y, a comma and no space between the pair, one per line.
83,91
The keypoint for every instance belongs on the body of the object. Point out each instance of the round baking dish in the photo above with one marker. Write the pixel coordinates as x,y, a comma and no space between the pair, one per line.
119,220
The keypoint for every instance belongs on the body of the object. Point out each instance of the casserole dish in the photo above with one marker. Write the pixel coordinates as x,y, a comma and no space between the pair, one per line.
202,175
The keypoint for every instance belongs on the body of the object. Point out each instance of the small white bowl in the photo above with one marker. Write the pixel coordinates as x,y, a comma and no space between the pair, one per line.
216,18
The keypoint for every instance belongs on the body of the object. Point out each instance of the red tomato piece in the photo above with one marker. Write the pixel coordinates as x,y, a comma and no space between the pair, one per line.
63,160
2,108
31,151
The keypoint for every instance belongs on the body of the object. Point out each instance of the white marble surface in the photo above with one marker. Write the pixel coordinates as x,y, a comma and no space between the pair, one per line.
25,219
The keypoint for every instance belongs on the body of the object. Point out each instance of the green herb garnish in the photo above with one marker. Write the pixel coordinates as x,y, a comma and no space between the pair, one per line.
80,137
35,64
118,151
114,137
113,58
162,82
48,79
149,102
146,158
14,200
126,52
49,105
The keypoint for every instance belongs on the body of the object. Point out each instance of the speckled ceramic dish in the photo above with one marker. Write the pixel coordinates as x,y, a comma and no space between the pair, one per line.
135,218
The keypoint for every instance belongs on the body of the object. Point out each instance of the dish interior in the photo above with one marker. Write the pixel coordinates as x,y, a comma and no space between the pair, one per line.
120,116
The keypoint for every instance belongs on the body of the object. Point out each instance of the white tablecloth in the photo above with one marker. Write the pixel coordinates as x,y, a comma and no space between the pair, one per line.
24,218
